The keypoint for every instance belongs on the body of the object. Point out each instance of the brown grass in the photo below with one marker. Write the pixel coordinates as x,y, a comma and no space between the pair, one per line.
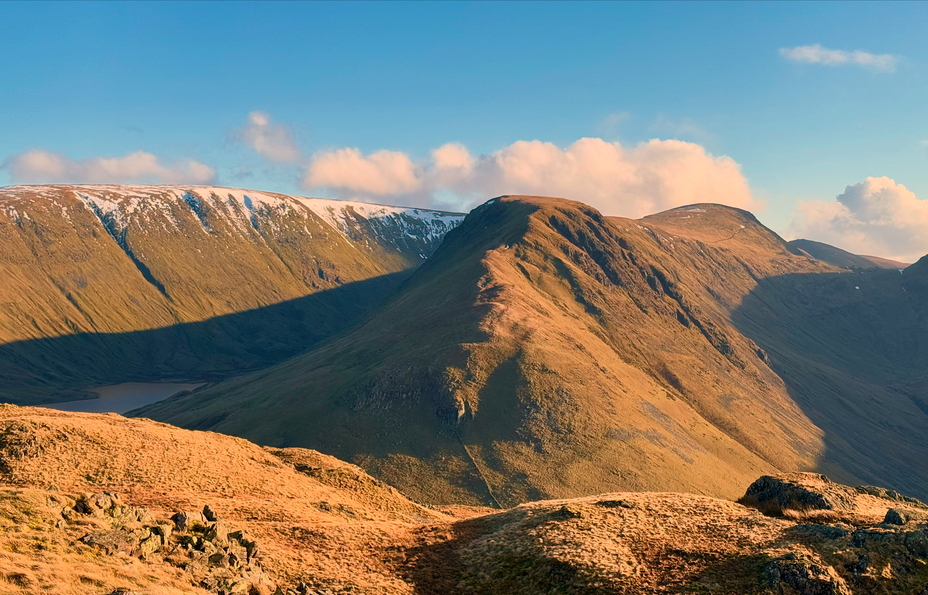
327,525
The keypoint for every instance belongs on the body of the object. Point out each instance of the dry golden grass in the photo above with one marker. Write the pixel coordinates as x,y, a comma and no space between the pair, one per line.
82,305
322,526
40,553
328,526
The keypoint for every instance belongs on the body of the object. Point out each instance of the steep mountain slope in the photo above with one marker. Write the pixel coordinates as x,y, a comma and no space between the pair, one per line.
109,283
546,351
852,349
842,258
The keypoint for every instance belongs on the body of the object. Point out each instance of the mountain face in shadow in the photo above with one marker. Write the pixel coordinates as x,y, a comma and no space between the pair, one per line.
852,349
842,258
103,284
546,351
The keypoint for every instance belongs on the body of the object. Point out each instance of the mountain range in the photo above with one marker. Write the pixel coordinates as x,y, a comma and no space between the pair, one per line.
533,349
531,398
104,284
547,351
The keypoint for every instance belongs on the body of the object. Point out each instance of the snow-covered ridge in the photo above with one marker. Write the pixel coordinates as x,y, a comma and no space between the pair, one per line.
117,202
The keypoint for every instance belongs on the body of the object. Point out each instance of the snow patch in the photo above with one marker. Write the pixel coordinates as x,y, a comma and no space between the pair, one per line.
405,228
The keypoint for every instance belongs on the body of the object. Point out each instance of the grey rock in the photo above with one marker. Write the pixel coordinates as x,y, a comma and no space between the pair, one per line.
901,516
794,574
891,495
917,543
866,536
772,494
185,520
116,540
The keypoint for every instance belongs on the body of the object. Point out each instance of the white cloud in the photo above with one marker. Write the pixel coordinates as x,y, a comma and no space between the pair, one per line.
42,167
379,174
270,140
877,217
650,177
816,54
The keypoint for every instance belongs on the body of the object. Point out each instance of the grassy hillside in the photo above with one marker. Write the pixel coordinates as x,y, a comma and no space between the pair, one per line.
110,283
100,504
546,351
315,520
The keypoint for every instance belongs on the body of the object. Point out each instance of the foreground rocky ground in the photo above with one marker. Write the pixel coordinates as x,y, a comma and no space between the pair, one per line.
102,504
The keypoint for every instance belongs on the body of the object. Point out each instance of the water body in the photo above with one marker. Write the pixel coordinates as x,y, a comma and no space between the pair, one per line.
120,398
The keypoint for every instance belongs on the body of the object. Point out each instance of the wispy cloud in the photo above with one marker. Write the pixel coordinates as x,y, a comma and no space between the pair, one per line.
636,181
609,126
269,139
816,54
683,129
39,166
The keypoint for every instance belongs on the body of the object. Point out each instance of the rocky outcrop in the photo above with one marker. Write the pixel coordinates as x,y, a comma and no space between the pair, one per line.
213,556
901,516
798,574
774,494
798,495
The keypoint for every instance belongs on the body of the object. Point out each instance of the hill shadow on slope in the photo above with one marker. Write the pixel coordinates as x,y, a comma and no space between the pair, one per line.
851,349
55,369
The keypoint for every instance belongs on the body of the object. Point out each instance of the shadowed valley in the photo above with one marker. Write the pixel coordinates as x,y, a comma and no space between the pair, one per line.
106,284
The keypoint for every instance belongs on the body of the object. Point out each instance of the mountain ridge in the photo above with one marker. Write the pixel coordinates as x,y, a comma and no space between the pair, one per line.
532,306
97,261
843,258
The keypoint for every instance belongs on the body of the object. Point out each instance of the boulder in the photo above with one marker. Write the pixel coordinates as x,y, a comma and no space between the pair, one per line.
148,546
112,541
901,516
163,531
893,495
773,494
185,520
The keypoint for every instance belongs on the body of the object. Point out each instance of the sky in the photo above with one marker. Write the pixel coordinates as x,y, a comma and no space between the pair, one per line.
814,116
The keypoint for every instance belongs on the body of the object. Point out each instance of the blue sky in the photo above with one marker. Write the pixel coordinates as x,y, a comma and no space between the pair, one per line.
177,81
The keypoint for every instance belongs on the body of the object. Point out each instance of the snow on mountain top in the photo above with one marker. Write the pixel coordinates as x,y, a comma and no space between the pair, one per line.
118,201
271,198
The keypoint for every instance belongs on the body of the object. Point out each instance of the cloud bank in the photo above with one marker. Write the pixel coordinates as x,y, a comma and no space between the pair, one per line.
44,167
650,177
816,54
877,217
269,139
